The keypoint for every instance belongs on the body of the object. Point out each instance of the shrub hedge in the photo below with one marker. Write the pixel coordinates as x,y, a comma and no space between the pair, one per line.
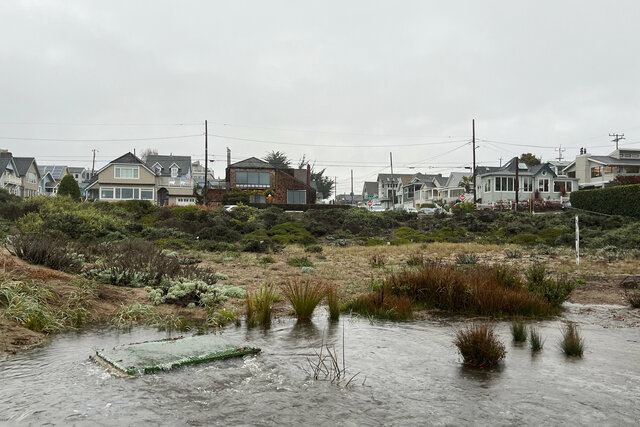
619,200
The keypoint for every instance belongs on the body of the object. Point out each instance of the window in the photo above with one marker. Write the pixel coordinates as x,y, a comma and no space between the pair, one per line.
543,185
257,198
632,169
253,179
31,177
571,174
527,184
595,172
562,186
106,193
174,172
608,169
126,172
504,183
146,194
487,185
296,197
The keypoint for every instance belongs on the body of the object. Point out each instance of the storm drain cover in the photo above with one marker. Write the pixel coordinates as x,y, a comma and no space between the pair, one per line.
163,355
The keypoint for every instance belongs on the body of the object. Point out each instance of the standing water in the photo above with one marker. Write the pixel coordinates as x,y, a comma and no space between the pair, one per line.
408,374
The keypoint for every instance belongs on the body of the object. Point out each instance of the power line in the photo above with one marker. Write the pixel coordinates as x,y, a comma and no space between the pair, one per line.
99,140
328,145
97,124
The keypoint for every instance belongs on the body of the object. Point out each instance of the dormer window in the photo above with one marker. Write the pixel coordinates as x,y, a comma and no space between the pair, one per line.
174,171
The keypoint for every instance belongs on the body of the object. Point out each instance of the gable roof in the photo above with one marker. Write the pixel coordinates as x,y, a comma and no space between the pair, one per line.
4,162
165,162
57,172
75,169
455,178
23,164
125,159
252,163
370,187
387,176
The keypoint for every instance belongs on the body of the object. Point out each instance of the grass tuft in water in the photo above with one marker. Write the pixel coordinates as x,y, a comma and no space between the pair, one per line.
333,301
382,303
259,305
479,346
572,343
304,296
519,331
536,339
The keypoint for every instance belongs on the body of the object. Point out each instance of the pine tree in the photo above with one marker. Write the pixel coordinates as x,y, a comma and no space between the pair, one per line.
69,187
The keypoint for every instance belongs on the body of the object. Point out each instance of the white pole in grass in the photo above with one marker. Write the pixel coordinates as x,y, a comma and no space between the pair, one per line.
577,242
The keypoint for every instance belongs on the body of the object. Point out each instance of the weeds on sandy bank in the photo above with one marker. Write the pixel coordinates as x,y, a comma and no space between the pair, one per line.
303,296
479,346
572,344
259,305
555,290
480,290
36,307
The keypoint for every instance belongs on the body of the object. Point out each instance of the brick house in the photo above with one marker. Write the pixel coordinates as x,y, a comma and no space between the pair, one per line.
268,184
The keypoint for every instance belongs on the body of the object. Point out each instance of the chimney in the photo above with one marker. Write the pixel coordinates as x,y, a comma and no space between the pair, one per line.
228,157
308,175
5,153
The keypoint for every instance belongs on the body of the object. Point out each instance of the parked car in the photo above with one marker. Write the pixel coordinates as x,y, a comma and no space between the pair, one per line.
410,209
566,205
377,208
229,208
428,211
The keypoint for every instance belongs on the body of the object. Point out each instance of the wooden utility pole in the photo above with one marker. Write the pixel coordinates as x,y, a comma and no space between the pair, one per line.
335,189
206,161
351,187
560,150
517,184
473,130
393,184
93,165
616,138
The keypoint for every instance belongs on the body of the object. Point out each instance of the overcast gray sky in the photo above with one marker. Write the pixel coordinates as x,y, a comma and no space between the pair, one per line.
342,82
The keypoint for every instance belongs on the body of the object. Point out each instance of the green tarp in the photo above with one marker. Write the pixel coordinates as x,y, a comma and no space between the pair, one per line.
152,356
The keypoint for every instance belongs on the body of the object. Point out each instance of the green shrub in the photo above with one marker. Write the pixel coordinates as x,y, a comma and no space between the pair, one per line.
185,291
375,242
300,262
291,232
69,187
408,233
467,259
479,346
525,239
555,291
44,250
618,200
313,249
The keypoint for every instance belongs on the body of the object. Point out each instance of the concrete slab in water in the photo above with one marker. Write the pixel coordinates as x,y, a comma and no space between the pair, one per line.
152,356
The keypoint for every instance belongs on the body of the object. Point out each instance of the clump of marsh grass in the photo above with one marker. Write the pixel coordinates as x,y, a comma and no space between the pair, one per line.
416,260
326,365
481,290
519,331
572,344
43,250
304,296
479,346
382,303
556,291
333,301
259,305
513,253
535,338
